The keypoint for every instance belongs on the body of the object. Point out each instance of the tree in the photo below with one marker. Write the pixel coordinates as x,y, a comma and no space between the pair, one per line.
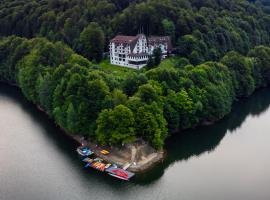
70,30
92,41
261,54
28,76
116,126
157,56
71,119
119,97
96,93
168,29
195,58
46,93
59,117
150,63
181,62
151,125
242,69
147,93
131,84
183,105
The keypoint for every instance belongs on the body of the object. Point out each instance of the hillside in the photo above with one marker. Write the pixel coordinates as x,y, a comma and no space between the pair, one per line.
222,55
201,30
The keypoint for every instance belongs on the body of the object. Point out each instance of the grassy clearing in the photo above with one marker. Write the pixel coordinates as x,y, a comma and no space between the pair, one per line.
168,62
122,71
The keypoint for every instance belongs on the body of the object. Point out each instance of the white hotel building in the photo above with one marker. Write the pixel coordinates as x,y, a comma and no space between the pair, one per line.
134,51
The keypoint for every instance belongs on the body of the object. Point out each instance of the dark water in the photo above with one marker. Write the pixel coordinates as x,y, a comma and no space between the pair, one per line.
229,160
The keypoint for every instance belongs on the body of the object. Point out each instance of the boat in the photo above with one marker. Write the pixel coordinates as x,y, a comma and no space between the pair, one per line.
108,165
87,165
98,166
98,159
84,151
122,178
104,166
120,173
87,159
104,152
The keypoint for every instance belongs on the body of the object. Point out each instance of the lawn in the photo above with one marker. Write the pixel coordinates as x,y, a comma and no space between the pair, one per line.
107,66
168,62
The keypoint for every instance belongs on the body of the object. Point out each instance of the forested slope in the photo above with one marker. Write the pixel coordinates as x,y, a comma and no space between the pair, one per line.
115,109
201,29
222,56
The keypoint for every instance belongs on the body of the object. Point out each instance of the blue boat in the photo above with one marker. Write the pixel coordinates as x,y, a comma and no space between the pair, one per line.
84,151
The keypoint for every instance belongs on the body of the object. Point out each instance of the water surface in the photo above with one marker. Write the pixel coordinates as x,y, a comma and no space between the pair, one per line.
228,160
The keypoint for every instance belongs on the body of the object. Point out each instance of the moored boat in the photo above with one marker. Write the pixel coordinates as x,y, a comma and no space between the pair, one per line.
120,173
102,165
84,151
122,178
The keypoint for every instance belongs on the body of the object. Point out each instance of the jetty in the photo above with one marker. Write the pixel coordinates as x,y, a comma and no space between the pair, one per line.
137,157
92,160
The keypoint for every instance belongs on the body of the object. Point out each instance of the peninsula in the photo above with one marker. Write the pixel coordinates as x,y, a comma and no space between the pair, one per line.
86,66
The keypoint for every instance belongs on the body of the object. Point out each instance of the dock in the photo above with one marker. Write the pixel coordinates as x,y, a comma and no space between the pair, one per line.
100,164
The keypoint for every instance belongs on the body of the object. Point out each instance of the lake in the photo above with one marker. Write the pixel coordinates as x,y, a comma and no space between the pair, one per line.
227,160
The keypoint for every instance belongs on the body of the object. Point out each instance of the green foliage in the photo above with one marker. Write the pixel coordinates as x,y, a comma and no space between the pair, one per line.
132,83
242,72
261,54
116,126
71,119
29,71
180,110
118,97
114,105
157,56
91,42
151,125
216,80
150,63
45,93
11,51
201,30
168,29
147,93
116,109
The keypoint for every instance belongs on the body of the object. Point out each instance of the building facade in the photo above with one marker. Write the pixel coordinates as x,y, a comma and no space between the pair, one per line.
134,51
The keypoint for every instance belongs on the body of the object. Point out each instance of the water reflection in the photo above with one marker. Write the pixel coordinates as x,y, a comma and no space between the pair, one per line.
61,142
180,147
184,145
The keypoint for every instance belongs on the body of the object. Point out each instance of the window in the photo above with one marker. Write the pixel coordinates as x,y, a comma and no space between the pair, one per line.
137,62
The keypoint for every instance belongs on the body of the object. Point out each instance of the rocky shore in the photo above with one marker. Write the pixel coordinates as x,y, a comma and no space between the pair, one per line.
139,155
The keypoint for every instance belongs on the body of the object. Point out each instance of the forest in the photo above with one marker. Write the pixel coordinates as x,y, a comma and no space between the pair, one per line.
201,30
51,49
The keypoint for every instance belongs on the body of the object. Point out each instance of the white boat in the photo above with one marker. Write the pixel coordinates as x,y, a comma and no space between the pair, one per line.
84,151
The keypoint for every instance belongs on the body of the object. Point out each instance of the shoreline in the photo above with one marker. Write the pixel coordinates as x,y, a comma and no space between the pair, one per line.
145,156
143,163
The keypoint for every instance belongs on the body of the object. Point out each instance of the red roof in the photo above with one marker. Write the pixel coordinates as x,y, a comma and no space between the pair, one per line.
132,40
124,39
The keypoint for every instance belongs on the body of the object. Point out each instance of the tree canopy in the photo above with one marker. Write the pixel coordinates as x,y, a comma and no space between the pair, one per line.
200,30
51,49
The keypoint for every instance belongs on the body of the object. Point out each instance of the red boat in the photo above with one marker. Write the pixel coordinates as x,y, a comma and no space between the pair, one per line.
120,173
